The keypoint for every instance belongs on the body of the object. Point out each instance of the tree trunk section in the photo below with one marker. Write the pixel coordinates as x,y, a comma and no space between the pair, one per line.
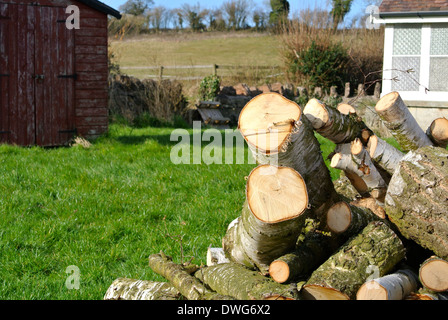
272,217
400,122
417,201
278,134
377,247
433,274
343,218
131,289
232,279
395,286
332,124
180,277
383,154
314,250
438,132
424,294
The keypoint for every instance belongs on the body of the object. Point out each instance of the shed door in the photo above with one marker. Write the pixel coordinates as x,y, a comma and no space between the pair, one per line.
37,54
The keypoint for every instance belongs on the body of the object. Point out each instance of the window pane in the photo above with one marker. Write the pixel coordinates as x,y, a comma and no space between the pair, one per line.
438,74
407,40
406,81
439,39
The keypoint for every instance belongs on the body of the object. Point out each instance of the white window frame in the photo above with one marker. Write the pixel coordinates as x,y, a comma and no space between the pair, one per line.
421,94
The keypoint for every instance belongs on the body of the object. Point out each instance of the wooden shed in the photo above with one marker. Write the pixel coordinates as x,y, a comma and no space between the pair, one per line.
53,79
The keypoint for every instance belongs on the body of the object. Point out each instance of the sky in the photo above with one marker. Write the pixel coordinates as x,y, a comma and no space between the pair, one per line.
358,6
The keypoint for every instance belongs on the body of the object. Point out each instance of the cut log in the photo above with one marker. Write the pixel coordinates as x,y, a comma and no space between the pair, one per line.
417,201
271,219
395,286
343,218
313,251
332,124
345,188
232,279
180,277
383,154
216,256
346,109
402,125
433,274
344,161
339,278
438,132
424,294
131,289
278,134
367,171
371,204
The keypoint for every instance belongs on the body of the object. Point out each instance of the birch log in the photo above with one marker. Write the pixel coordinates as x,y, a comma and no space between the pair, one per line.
313,251
216,256
232,279
272,217
416,200
400,122
438,132
367,171
180,277
332,124
433,274
377,247
343,218
395,286
132,289
278,134
383,154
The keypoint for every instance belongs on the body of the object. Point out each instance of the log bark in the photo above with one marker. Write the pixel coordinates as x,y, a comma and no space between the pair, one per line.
344,161
332,124
395,286
180,277
131,289
433,274
383,154
377,247
417,201
313,251
272,217
438,132
216,256
367,171
344,218
232,279
400,122
278,134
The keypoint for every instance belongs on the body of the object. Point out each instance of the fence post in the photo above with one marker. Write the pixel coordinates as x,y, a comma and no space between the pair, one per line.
161,73
215,69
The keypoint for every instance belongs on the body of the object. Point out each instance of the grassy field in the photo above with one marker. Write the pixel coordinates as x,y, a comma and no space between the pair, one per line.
192,49
106,209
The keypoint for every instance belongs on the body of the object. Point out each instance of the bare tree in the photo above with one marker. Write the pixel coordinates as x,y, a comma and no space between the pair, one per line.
237,13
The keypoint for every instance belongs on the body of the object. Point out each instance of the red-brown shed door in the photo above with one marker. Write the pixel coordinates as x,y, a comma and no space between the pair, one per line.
37,95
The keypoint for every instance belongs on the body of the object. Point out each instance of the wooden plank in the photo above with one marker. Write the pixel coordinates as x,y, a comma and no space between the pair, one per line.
5,70
91,41
101,68
80,85
92,112
91,49
213,116
92,94
91,103
92,121
209,104
91,58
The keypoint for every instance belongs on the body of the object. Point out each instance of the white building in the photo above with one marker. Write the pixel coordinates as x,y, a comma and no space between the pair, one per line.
416,40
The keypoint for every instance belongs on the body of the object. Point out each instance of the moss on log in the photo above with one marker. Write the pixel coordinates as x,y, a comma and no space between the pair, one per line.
417,201
132,289
376,249
180,277
232,279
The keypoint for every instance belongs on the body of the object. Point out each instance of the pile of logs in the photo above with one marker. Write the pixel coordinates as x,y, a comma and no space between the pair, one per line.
378,233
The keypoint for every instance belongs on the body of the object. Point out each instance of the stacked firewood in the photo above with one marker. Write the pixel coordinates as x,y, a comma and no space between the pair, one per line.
378,233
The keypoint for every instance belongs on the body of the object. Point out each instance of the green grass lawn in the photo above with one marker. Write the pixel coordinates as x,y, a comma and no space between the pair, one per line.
106,209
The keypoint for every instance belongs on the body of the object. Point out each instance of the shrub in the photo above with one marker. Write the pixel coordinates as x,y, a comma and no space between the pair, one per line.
321,65
209,87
